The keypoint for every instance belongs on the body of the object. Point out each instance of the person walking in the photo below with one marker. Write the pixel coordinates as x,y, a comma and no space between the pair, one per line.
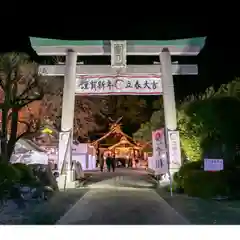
101,161
113,162
108,162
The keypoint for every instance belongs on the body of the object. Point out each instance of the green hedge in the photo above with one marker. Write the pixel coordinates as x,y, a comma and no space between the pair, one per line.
203,184
194,181
26,173
9,175
180,176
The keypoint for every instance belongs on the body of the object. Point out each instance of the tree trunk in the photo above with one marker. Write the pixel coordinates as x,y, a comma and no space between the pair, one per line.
13,134
4,135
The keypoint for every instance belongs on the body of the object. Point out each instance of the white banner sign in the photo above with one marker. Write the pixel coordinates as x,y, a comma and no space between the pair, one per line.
174,149
159,152
118,85
62,148
213,164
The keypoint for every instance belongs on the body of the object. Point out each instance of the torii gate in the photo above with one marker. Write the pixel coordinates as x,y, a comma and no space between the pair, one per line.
78,77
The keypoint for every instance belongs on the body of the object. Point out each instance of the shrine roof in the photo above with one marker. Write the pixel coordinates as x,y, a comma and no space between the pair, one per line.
114,130
123,142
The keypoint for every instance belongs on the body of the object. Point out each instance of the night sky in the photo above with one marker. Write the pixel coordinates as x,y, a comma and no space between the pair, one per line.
218,61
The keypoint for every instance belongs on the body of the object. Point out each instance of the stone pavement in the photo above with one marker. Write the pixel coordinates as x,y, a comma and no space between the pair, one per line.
49,212
204,211
124,197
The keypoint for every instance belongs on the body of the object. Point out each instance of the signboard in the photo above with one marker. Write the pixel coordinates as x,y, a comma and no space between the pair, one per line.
80,148
118,54
118,85
159,152
62,148
174,149
213,164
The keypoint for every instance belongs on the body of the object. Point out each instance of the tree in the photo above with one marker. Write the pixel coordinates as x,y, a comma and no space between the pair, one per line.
30,119
144,133
133,109
146,129
210,128
51,103
87,109
208,122
91,113
21,86
87,113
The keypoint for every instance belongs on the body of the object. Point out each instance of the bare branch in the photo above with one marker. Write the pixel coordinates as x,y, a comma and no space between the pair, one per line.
24,122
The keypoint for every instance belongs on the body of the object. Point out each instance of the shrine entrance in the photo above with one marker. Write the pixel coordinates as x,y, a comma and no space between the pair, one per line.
123,148
119,82
117,79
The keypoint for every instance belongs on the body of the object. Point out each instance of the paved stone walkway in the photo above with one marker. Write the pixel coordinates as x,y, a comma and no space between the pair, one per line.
125,197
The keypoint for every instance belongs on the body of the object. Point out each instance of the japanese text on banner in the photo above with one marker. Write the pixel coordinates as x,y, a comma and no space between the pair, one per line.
118,85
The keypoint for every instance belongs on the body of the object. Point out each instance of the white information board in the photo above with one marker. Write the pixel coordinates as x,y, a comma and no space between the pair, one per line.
80,148
213,165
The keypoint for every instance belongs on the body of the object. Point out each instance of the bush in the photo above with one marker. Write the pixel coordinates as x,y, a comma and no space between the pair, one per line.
44,175
183,173
174,186
207,184
194,181
233,179
210,127
9,176
26,173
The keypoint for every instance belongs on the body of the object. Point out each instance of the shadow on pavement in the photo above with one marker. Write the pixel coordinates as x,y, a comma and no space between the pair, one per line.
51,211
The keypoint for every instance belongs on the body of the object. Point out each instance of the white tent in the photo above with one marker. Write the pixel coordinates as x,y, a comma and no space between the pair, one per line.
28,153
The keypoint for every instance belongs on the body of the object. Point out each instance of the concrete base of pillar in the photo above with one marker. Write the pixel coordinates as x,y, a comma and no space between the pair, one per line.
66,181
167,179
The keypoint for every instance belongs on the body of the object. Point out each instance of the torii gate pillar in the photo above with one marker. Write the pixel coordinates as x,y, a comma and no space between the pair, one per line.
65,137
172,136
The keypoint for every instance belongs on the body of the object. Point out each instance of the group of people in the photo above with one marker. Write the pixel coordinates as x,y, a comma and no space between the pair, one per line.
110,162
